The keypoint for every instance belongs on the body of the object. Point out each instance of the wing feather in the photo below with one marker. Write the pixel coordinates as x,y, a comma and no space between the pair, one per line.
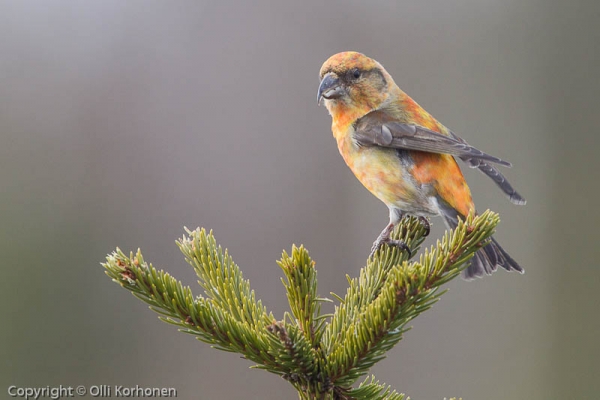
379,129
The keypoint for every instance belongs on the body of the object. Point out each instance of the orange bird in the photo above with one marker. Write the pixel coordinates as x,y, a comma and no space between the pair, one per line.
403,155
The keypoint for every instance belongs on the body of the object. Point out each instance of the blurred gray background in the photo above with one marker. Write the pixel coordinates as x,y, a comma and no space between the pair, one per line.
123,121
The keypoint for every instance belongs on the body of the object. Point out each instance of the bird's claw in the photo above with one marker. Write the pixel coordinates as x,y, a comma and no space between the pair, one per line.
425,223
390,242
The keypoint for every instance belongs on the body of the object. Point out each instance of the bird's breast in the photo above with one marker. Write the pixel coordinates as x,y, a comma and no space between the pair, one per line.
382,172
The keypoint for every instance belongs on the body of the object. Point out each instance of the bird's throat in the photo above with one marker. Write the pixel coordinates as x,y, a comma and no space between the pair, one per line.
343,116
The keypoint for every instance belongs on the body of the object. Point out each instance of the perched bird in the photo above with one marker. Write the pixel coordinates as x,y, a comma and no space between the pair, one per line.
403,155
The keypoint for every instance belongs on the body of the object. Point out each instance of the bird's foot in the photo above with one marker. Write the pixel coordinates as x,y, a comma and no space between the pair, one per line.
425,222
390,242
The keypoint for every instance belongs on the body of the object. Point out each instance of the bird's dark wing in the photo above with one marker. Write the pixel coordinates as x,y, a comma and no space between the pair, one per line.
378,129
493,174
499,180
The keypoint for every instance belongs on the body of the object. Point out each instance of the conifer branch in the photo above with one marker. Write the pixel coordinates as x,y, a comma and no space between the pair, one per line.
301,288
321,356
371,389
408,290
222,279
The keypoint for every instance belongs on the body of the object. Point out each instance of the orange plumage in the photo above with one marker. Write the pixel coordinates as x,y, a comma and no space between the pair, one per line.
403,155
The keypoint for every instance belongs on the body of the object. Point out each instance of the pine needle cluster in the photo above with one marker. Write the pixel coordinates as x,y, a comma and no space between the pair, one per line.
321,355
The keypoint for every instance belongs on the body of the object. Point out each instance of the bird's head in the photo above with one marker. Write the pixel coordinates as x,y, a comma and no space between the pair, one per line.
353,83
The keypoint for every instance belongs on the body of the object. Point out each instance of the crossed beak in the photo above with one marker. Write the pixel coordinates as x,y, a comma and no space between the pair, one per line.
330,88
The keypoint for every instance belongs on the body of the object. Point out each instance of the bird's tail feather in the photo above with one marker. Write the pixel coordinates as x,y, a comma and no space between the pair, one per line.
485,260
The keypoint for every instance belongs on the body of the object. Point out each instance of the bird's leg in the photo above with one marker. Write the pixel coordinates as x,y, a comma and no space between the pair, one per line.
425,223
384,236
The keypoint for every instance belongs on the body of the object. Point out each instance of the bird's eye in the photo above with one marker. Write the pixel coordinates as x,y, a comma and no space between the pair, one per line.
356,73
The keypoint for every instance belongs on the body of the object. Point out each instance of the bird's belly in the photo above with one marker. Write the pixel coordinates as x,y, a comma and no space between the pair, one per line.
384,174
